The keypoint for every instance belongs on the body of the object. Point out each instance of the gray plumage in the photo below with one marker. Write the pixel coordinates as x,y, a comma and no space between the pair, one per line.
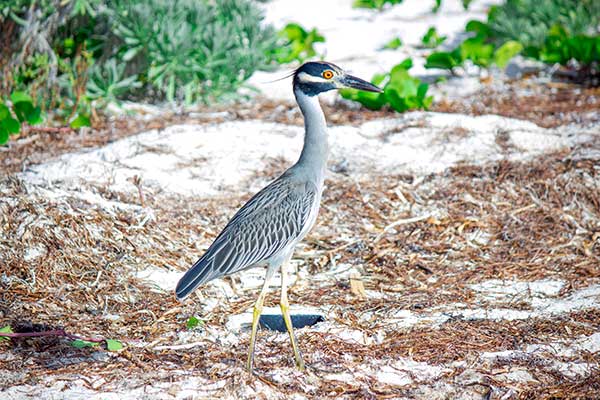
266,225
267,228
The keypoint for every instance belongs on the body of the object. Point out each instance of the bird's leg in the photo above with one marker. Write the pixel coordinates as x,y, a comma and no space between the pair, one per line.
285,311
258,306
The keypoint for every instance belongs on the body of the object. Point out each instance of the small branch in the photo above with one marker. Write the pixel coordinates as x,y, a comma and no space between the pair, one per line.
57,333
185,346
48,129
400,222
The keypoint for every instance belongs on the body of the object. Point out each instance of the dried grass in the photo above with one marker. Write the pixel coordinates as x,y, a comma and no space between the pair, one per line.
508,220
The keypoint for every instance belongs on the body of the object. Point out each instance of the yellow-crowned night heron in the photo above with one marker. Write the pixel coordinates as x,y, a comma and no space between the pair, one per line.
265,231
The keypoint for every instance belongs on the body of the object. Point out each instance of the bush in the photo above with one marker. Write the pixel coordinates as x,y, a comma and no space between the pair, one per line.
561,47
553,31
191,50
529,21
70,55
401,91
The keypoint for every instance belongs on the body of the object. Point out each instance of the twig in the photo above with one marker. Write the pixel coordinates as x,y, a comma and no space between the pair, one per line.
180,346
399,222
48,129
56,332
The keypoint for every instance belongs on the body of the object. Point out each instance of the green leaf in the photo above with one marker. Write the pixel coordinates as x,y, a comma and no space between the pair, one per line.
3,136
35,116
406,65
10,125
506,52
476,50
481,29
431,39
132,52
80,121
4,111
442,60
427,101
376,4
466,4
371,100
193,322
22,109
18,97
299,45
113,345
7,328
397,102
393,44
422,90
80,344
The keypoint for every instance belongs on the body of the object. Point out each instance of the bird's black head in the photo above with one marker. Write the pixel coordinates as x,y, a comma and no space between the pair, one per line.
316,77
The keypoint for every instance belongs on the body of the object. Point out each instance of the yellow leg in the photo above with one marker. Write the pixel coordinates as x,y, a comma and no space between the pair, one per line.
258,306
285,311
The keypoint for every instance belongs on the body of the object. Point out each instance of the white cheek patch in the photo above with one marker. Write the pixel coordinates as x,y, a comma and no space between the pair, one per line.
304,77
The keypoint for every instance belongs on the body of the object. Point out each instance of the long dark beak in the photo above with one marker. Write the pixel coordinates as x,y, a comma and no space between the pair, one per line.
360,84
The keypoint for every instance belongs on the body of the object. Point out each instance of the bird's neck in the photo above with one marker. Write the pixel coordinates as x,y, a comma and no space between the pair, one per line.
314,152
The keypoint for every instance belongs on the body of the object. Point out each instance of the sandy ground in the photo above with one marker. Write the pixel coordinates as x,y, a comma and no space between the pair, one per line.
455,256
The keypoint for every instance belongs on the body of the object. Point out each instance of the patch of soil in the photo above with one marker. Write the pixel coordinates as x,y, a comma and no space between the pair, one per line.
547,105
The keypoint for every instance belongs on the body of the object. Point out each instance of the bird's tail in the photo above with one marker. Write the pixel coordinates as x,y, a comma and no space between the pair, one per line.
198,274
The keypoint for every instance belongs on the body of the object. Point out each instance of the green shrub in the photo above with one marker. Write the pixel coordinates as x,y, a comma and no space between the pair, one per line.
553,31
107,82
529,21
296,44
192,50
561,47
74,54
401,91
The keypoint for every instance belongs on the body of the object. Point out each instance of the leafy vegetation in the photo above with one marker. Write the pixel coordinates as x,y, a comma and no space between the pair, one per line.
193,322
553,31
432,39
530,21
190,50
566,32
401,91
72,56
5,329
376,4
297,44
76,341
111,344
19,111
476,50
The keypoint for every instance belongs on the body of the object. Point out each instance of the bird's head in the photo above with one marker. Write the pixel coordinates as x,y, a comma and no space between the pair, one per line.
316,77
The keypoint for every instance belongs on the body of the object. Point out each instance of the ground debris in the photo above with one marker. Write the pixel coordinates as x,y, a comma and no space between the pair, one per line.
472,225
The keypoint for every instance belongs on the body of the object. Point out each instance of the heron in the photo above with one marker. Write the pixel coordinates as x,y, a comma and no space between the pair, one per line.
265,231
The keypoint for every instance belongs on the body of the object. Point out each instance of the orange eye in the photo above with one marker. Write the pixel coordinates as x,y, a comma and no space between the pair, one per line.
327,74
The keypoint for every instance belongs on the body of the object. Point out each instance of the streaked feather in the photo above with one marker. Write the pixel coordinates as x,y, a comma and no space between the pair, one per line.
275,217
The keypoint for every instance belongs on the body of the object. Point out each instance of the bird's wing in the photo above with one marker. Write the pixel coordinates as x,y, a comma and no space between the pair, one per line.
267,223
